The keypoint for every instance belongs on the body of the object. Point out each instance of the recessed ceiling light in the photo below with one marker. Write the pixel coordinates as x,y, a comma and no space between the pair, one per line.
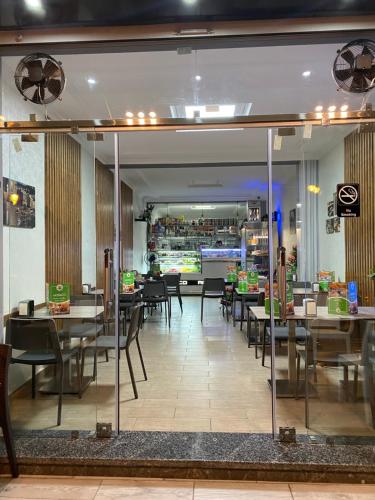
189,2
91,81
152,114
129,114
331,109
344,107
319,108
141,114
36,6
306,74
198,78
299,205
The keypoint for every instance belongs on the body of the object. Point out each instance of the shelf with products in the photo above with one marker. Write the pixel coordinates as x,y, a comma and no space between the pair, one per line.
181,261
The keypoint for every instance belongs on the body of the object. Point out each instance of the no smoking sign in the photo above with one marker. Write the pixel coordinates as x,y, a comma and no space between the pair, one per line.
348,200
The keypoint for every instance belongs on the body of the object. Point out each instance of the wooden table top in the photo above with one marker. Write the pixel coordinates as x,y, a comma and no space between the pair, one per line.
364,313
76,312
296,291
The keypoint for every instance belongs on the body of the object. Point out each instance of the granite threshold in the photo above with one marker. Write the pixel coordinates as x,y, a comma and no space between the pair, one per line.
199,455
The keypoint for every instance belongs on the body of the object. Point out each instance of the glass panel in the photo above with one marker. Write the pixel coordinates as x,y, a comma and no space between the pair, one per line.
327,343
50,265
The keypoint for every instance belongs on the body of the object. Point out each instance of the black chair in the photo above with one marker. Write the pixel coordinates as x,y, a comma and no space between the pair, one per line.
173,286
227,300
281,334
301,284
260,303
213,288
106,342
39,340
88,327
156,293
5,423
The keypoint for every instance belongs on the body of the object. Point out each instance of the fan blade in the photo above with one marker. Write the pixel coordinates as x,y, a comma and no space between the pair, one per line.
36,97
26,83
35,70
348,56
41,94
50,69
359,82
366,51
343,74
54,86
370,73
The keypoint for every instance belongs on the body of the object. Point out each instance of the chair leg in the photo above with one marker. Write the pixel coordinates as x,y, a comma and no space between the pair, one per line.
298,374
132,378
61,388
202,309
346,382
79,377
9,445
141,358
106,355
248,329
264,343
355,383
242,310
168,309
307,409
33,381
180,301
227,311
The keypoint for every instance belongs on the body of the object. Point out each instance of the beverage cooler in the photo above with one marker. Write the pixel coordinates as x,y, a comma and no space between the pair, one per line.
186,262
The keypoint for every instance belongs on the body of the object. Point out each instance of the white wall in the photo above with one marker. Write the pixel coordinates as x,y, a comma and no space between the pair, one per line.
24,249
331,246
88,206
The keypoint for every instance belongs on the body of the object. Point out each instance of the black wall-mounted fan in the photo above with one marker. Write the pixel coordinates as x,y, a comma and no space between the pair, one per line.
40,78
354,66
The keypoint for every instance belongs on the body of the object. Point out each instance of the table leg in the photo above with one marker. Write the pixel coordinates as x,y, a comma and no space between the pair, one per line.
292,354
234,308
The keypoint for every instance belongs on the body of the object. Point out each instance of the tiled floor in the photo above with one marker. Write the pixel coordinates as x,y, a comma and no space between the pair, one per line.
51,488
201,377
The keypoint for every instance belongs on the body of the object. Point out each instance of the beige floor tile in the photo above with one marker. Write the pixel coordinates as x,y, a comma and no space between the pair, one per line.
211,412
221,490
333,491
145,490
56,489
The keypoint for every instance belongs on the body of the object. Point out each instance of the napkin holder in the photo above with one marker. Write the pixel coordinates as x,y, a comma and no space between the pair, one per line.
310,307
86,288
315,287
26,308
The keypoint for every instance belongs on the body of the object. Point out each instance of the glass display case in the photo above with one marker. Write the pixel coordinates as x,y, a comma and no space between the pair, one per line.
222,254
179,261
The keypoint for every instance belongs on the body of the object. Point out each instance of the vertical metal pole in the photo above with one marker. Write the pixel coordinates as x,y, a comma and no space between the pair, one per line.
116,275
270,270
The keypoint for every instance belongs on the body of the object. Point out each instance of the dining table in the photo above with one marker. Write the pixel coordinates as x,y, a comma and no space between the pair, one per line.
85,312
286,388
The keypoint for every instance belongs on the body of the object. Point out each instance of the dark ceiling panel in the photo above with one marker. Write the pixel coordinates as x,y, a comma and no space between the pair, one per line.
69,13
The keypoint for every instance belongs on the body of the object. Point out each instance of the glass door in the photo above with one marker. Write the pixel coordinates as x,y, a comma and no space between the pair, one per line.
324,339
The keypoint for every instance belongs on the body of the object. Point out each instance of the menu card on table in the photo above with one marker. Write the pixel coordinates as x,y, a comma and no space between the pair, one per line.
58,298
342,298
128,282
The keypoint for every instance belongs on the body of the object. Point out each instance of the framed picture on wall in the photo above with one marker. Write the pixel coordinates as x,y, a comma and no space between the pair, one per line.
336,224
331,209
292,221
329,226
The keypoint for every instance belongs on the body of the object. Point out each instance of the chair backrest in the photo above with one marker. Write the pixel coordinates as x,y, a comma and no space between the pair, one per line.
30,334
172,280
135,323
213,285
301,284
86,300
261,299
154,289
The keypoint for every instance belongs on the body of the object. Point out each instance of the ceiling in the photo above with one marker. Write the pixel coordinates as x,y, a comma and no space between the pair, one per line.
270,78
16,13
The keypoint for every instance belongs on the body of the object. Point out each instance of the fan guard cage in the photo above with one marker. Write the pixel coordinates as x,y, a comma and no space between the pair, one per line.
350,69
40,78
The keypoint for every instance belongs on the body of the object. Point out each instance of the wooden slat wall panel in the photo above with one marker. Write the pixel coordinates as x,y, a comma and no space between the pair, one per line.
63,210
126,226
360,232
104,182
